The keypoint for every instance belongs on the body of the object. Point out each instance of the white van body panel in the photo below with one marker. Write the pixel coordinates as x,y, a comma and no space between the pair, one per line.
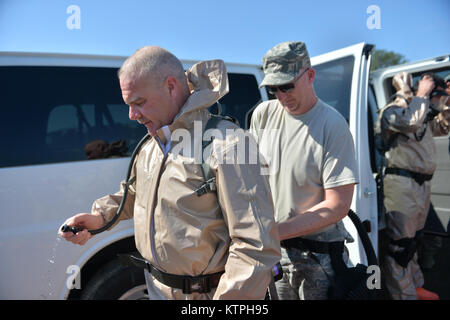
364,197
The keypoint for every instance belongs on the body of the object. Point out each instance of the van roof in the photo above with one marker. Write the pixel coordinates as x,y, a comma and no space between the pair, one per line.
96,57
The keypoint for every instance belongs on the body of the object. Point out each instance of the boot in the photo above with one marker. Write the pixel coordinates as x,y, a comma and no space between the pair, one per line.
423,294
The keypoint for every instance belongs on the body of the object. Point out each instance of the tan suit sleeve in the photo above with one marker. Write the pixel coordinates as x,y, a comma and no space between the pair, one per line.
108,205
247,207
407,120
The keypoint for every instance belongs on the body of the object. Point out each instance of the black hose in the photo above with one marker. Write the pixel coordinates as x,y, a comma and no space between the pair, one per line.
125,192
66,228
367,244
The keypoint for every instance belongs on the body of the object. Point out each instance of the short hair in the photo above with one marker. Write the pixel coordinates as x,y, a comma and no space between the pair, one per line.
154,63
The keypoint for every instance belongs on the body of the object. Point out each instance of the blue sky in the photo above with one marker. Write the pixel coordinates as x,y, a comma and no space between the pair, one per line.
235,31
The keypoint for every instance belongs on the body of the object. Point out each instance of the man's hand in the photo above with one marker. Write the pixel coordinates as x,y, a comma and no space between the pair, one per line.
84,221
426,85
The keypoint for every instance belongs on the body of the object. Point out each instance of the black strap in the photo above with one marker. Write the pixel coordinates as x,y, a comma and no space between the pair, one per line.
418,177
409,248
311,245
337,261
208,175
189,284
403,243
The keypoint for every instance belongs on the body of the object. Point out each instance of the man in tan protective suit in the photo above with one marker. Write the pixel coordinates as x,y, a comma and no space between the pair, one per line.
405,128
227,240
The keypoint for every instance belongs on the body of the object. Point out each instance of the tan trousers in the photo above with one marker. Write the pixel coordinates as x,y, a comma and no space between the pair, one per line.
407,205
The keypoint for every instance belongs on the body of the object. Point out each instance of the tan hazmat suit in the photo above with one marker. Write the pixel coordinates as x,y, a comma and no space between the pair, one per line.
178,232
406,201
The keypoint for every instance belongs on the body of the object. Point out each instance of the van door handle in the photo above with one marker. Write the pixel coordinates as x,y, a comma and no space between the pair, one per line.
368,193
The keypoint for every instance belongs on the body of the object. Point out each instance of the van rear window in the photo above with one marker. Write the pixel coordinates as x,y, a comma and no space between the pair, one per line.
58,114
333,83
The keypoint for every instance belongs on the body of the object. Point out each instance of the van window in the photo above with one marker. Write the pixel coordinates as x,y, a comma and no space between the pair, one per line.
243,96
54,114
60,114
442,72
333,83
390,90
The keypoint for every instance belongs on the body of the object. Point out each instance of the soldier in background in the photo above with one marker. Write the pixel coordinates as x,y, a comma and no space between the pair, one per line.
405,130
433,242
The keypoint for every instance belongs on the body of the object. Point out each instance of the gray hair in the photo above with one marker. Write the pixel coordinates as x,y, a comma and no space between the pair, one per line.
154,63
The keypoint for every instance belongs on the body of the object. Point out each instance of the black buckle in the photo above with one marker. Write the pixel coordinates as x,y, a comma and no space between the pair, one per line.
306,245
202,190
187,289
420,180
200,285
208,186
205,285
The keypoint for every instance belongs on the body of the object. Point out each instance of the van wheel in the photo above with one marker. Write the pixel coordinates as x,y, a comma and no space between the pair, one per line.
116,281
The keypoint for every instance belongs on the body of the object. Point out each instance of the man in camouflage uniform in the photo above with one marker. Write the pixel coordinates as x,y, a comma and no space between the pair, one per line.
406,126
312,193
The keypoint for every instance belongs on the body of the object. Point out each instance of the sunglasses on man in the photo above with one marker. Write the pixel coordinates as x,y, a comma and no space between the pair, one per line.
285,88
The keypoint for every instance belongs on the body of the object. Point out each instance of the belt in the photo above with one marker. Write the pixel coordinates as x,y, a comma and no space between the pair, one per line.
189,284
418,177
405,242
309,245
333,249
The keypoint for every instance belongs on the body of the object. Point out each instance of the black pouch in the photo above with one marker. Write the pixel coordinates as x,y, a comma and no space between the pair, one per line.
351,284
347,283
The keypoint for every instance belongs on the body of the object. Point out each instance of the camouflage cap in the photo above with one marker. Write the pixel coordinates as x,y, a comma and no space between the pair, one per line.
282,63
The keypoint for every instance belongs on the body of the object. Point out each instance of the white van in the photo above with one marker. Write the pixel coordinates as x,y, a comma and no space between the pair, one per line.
53,105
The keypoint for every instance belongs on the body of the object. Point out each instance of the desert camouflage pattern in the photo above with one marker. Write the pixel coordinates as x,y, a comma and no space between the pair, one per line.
282,63
306,277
